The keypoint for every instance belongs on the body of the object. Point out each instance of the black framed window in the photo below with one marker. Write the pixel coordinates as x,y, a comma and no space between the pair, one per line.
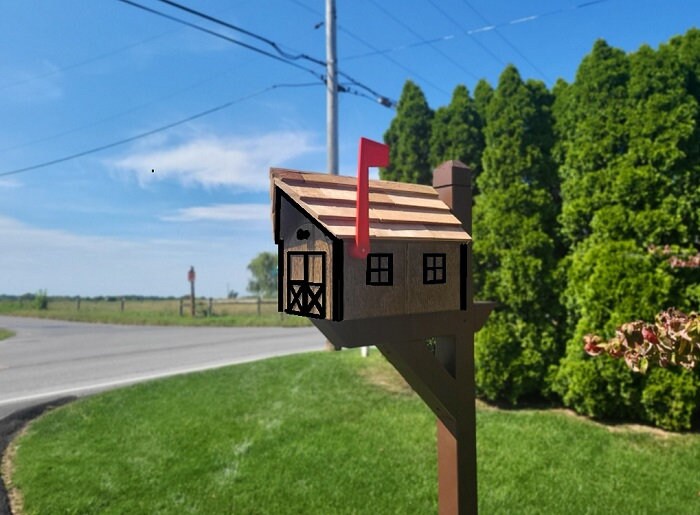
380,269
434,268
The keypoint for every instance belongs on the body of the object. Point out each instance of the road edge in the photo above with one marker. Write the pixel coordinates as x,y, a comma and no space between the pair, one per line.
11,425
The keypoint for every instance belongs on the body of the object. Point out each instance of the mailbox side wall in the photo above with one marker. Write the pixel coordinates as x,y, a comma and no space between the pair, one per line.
291,220
407,294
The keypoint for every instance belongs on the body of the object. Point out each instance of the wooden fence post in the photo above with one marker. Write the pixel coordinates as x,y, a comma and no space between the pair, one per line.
192,297
77,305
181,306
121,308
259,302
210,307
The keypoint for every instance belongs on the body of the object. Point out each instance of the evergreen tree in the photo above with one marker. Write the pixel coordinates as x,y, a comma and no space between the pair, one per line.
639,186
598,139
456,132
482,96
652,182
644,196
514,235
563,120
687,48
408,138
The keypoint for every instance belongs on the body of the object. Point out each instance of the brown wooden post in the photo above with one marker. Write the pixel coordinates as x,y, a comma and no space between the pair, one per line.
77,305
182,302
259,303
457,482
192,301
191,277
121,305
447,470
210,313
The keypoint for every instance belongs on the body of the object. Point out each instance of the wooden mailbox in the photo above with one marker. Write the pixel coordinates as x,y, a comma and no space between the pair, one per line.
409,280
417,261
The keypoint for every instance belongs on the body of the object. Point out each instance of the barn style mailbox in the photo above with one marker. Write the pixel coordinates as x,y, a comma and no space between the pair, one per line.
415,264
388,264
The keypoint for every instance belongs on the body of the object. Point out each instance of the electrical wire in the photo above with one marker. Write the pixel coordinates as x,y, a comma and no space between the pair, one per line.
476,30
479,43
152,131
227,38
274,45
118,114
376,50
90,60
507,42
226,24
391,16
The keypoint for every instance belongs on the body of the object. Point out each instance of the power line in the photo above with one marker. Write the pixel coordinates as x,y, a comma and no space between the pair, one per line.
376,50
342,88
392,60
116,115
507,42
382,53
226,24
280,56
390,15
227,38
153,131
90,60
270,42
479,43
471,32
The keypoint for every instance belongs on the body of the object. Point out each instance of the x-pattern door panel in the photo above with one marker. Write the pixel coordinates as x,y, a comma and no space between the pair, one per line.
306,284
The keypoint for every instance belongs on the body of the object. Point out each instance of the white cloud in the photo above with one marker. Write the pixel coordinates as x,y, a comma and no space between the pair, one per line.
240,161
9,184
32,85
220,213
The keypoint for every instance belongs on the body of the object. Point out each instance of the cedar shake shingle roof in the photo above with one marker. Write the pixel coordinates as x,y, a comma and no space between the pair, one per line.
396,211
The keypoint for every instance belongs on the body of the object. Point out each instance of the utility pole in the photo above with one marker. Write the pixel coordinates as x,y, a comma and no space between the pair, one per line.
331,90
331,103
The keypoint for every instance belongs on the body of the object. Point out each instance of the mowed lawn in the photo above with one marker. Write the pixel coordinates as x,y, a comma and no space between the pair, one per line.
327,433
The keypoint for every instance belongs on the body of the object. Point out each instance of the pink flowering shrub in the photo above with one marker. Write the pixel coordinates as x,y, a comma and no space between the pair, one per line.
673,339
676,259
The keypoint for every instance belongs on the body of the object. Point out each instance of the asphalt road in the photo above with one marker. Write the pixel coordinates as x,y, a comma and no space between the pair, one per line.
49,359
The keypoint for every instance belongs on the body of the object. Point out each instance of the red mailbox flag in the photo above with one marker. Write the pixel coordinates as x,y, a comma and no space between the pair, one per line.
191,275
371,153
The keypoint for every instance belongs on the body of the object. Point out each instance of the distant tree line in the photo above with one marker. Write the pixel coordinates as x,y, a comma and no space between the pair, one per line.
575,188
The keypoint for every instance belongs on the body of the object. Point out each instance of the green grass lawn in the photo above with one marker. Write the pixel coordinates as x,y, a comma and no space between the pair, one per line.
155,312
5,333
328,433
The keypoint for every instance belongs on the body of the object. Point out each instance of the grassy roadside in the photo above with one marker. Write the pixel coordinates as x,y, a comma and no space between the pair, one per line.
330,433
131,318
5,333
149,314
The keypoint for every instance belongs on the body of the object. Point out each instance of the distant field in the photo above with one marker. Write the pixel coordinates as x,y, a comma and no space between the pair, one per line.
157,312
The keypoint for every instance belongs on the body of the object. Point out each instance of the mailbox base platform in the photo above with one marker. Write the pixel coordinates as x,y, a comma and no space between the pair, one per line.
443,376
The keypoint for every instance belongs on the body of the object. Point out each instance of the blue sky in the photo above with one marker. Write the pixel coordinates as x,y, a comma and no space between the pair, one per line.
79,74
